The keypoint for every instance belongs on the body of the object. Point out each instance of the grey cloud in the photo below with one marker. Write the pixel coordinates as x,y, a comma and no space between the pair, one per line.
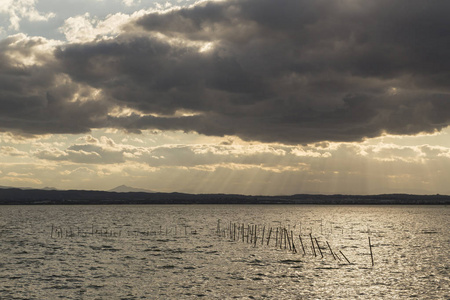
188,156
36,98
11,151
278,71
86,153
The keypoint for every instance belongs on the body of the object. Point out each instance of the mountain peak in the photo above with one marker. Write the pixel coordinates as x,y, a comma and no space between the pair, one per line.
128,189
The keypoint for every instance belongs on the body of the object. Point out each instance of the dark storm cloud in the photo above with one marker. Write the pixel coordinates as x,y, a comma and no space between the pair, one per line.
35,98
285,71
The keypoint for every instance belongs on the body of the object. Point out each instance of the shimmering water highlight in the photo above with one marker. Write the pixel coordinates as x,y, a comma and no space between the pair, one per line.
175,252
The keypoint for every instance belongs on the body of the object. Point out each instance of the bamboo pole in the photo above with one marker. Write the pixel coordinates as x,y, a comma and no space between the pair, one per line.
268,238
331,250
262,237
371,254
285,238
293,245
344,256
312,243
276,239
281,238
301,242
318,247
218,227
288,239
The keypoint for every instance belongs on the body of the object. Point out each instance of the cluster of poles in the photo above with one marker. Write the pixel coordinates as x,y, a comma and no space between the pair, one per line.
69,231
282,238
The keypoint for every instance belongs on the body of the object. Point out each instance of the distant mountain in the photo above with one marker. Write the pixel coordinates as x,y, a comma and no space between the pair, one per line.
129,189
12,187
50,188
39,196
47,188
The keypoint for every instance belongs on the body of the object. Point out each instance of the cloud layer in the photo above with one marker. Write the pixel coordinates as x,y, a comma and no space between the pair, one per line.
101,162
273,71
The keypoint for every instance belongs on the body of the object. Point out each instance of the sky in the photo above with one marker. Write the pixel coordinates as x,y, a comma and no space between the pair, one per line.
254,97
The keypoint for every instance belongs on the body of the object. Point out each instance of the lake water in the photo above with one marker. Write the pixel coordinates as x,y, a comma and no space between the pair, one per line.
185,252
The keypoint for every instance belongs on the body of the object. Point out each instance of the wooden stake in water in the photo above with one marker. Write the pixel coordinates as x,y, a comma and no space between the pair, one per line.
312,243
344,256
318,247
218,227
262,237
282,239
268,238
301,242
293,245
329,247
285,238
288,239
276,239
371,254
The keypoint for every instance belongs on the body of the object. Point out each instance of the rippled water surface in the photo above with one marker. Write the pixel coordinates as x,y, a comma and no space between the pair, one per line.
184,252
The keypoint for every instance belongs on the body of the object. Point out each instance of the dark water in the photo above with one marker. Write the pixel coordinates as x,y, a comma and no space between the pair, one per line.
175,252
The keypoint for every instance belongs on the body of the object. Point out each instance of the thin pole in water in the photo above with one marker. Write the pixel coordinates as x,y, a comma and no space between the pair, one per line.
262,237
268,238
312,243
318,247
344,256
276,239
371,254
331,251
301,242
218,227
288,239
293,245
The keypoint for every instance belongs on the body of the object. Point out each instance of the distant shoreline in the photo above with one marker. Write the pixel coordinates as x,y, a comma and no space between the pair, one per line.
15,196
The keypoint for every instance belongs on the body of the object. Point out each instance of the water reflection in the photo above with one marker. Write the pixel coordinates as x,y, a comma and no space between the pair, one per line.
176,252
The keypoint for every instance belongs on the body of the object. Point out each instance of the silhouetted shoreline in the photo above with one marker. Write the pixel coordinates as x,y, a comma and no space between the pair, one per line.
15,196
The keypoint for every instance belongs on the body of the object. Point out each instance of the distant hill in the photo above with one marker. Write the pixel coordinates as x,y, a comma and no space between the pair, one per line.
11,196
47,188
129,189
